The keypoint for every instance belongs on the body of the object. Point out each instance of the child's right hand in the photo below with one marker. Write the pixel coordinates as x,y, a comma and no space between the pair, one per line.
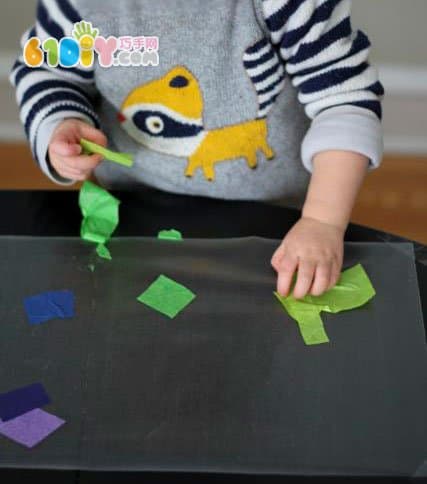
65,152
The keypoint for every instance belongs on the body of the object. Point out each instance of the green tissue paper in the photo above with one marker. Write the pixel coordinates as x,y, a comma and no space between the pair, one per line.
100,213
90,148
166,296
171,234
351,291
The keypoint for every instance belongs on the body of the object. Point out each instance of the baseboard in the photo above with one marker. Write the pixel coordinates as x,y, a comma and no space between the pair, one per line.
405,107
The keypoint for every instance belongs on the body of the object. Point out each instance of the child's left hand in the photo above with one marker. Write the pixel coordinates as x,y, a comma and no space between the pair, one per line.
314,249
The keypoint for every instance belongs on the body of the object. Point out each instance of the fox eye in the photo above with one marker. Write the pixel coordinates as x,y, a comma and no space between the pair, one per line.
154,124
179,81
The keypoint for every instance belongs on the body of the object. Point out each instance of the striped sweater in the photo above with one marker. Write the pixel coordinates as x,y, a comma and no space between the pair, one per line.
264,83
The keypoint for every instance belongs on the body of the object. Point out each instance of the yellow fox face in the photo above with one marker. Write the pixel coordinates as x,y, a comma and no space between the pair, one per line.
166,114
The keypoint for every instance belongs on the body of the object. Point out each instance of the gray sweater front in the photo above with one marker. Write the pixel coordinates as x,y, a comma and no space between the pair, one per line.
234,102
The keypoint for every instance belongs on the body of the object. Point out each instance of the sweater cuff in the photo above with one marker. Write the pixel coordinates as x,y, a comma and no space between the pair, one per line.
347,128
44,134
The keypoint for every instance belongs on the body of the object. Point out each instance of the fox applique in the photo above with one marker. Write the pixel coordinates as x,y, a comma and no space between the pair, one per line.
166,115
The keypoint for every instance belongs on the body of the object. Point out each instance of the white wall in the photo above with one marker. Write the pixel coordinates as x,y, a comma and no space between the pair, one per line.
398,32
16,16
397,29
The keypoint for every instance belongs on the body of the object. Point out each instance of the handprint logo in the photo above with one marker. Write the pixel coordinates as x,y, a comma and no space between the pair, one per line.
85,34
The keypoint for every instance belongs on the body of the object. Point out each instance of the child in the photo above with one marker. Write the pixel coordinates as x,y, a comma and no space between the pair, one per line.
236,86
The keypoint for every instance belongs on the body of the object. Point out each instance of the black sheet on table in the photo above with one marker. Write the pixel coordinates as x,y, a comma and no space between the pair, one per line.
227,386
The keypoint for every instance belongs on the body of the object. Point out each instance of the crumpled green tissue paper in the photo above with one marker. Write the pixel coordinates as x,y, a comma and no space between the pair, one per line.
103,252
100,216
171,234
351,291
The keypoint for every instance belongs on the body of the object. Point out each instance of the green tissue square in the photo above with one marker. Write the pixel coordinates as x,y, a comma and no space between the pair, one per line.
166,296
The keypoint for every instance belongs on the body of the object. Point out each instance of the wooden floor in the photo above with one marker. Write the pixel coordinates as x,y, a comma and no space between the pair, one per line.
393,198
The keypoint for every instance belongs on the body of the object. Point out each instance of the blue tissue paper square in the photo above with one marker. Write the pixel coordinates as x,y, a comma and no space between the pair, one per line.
22,400
49,305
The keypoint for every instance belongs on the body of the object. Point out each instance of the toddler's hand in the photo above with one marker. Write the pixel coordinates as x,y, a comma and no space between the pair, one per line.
315,250
65,152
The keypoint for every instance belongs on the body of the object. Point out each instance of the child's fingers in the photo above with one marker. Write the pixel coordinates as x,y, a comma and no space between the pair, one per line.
277,257
335,274
305,276
322,279
64,145
65,171
83,163
286,270
72,174
76,168
93,134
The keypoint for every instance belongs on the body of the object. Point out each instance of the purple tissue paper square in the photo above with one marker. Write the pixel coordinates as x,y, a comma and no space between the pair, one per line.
49,305
31,428
22,400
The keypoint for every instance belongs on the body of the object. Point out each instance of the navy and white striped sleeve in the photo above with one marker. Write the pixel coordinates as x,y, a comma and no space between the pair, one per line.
48,95
328,63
